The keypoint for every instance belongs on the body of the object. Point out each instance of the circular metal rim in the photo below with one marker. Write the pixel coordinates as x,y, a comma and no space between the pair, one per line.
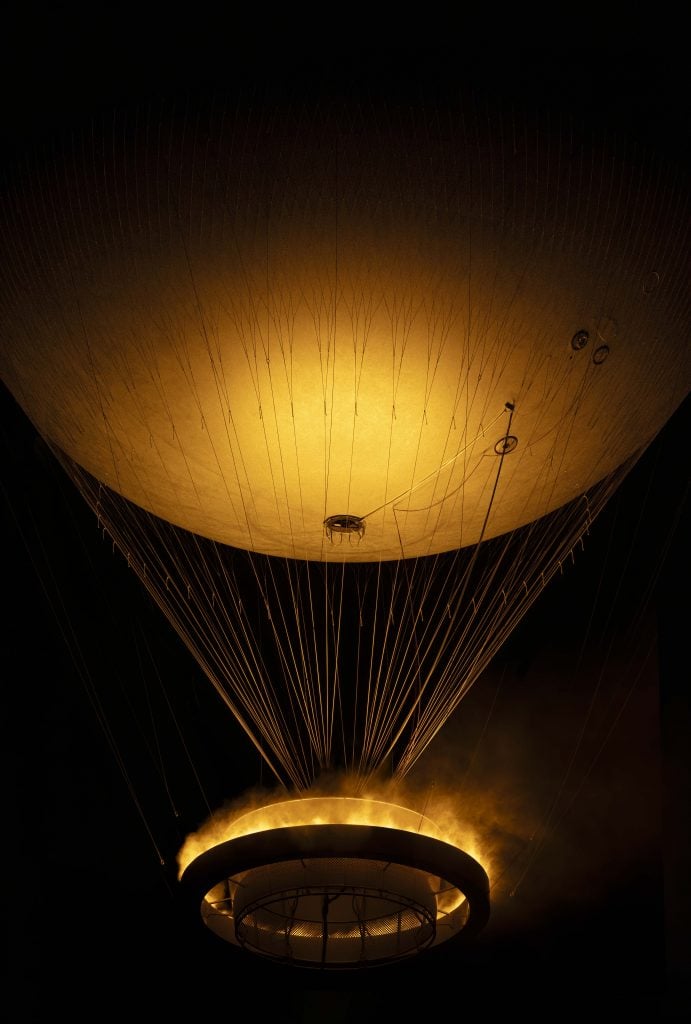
360,842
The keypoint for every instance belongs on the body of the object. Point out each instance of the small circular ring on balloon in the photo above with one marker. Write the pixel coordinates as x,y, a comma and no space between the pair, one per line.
651,282
506,445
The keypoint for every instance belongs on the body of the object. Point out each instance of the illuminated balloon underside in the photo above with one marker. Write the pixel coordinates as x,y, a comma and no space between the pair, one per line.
353,666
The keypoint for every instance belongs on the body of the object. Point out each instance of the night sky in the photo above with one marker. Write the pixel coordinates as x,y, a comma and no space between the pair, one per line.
104,708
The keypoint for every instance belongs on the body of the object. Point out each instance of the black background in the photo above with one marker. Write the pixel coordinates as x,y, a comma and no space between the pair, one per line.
95,923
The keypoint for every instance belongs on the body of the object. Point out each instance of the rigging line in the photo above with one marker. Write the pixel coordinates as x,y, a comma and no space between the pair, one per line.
443,692
330,665
394,695
414,677
360,601
423,737
307,687
178,622
208,635
264,595
382,685
336,636
415,666
405,669
387,657
327,689
464,586
455,681
493,608
410,682
525,539
448,695
432,721
489,578
310,626
255,667
294,690
458,668
212,674
435,472
445,687
369,688
368,621
285,645
460,489
262,713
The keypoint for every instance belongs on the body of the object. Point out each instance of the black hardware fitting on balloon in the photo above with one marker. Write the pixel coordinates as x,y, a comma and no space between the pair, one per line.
344,524
579,340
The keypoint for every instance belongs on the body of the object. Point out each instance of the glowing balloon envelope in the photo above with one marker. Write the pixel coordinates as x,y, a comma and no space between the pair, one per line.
316,336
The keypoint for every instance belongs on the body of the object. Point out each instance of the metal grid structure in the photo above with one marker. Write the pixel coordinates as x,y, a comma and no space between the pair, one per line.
338,896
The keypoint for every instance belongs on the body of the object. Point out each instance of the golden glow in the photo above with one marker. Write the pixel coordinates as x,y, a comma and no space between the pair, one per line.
335,810
449,900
